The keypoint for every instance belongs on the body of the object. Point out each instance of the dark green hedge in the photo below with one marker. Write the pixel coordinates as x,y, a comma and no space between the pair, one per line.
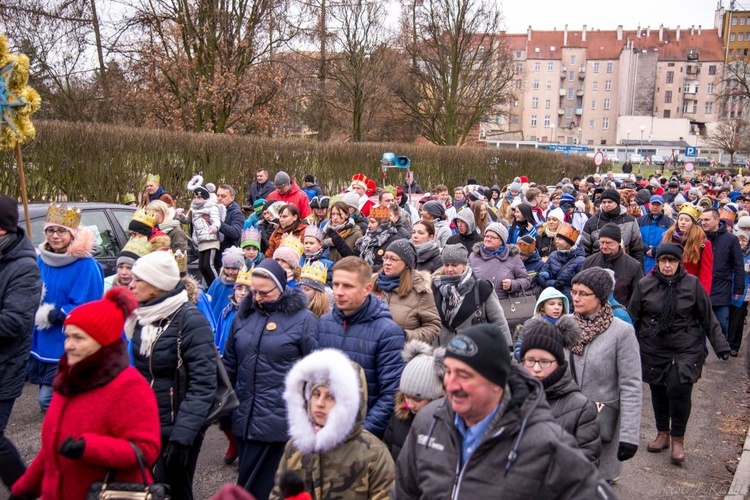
93,162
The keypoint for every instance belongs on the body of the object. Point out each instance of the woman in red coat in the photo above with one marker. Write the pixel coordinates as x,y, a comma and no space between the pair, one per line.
100,405
697,255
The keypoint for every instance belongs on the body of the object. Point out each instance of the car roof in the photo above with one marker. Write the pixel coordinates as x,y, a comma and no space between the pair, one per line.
40,209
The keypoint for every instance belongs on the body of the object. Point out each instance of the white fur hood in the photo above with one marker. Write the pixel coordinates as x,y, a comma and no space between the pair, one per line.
348,389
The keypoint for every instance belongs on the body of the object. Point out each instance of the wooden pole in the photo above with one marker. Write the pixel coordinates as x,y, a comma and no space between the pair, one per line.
24,197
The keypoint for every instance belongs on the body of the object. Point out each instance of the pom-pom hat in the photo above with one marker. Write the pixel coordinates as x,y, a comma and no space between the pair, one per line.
104,320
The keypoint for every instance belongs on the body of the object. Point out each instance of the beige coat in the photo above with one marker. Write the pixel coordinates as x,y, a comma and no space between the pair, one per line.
416,313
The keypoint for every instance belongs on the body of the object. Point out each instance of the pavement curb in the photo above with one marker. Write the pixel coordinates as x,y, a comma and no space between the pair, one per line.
741,482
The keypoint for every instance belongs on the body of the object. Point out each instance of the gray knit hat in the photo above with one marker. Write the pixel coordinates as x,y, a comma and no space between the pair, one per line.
282,179
499,229
405,250
422,376
515,186
467,216
598,280
455,254
435,208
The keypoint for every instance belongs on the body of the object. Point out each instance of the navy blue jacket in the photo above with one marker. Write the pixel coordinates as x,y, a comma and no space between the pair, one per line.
263,345
555,262
729,267
372,339
533,265
652,231
232,226
20,290
259,191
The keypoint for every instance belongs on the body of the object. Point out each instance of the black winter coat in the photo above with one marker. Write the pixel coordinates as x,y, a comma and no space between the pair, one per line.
258,191
628,272
576,414
180,423
729,267
682,343
20,291
231,228
398,427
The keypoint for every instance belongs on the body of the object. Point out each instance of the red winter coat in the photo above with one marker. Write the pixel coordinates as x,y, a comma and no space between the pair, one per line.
106,417
296,197
704,268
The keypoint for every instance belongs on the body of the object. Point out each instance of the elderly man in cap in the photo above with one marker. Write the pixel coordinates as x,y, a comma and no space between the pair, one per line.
653,226
20,291
611,211
492,435
287,191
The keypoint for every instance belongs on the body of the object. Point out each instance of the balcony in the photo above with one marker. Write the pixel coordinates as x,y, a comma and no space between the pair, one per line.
579,92
560,111
579,111
691,96
582,73
562,92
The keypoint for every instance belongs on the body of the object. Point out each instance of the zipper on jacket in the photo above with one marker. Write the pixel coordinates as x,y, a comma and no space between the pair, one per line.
171,403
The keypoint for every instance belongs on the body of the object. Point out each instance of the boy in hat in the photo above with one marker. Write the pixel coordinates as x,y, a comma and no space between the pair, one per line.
220,291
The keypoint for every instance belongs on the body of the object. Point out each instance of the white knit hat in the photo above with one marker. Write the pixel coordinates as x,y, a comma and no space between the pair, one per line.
158,269
557,213
499,229
422,376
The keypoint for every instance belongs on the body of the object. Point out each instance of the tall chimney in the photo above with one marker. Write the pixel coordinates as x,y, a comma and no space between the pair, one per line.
565,36
648,31
619,33
699,30
638,32
528,33
661,32
692,30
677,33
583,34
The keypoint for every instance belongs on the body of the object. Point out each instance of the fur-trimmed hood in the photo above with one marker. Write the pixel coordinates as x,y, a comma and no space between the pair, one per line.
291,301
345,379
81,247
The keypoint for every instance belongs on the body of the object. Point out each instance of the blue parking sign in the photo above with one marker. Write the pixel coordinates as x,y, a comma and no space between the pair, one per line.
691,151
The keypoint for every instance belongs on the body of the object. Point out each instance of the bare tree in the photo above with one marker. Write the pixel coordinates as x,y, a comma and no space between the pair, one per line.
735,93
731,136
462,71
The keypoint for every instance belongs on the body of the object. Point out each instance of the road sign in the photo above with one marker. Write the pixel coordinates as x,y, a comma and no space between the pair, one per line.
747,163
689,167
691,151
564,148
598,158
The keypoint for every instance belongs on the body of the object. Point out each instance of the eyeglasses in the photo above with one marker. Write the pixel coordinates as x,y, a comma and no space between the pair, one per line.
388,258
578,293
491,237
671,262
264,294
55,230
543,363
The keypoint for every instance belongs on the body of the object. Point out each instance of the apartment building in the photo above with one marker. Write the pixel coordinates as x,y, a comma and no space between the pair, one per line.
734,28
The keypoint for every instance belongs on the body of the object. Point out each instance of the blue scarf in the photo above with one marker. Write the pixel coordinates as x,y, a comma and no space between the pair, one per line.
551,320
496,252
388,283
156,195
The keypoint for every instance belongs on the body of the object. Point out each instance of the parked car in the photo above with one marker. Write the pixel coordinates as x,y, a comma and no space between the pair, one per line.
658,160
636,158
611,158
109,222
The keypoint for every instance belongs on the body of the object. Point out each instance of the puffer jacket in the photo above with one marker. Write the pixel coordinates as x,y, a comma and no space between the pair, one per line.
416,313
533,265
341,460
371,338
201,235
652,232
524,451
552,273
627,270
682,343
496,268
20,291
575,413
296,197
728,269
631,233
180,424
263,345
231,227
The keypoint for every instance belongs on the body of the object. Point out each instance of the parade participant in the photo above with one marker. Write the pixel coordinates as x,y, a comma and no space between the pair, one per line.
611,212
269,222
272,331
311,189
653,226
359,186
459,199
523,223
573,215
319,216
71,277
142,224
499,263
565,262
230,230
341,233
205,232
434,211
133,250
221,290
260,188
312,282
543,354
531,260
421,383
154,191
251,245
289,255
738,309
698,255
545,238
361,326
288,191
400,220
166,222
290,223
407,293
326,400
129,199
428,253
102,409
551,306
466,230
456,443
314,251
602,365
670,311
410,186
380,233
462,299
256,216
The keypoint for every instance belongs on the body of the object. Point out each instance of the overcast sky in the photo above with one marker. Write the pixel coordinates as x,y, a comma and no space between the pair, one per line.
607,14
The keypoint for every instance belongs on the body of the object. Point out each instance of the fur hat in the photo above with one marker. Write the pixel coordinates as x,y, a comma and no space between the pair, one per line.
568,233
539,333
597,280
499,229
526,244
484,348
103,320
423,374
158,269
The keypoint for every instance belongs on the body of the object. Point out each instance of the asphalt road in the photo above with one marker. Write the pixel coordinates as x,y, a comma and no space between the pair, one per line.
713,443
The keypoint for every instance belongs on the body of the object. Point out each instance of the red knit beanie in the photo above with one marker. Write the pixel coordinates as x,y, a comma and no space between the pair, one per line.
103,320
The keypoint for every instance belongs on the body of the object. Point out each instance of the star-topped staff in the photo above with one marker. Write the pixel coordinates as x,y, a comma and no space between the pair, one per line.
18,102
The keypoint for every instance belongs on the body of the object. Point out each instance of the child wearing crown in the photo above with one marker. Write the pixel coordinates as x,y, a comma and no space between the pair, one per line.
315,251
380,233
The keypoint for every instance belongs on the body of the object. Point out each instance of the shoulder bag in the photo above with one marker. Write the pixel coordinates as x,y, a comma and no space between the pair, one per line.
110,490
518,308
608,413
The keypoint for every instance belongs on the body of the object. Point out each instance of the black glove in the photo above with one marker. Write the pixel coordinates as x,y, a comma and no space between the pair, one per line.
22,497
176,455
56,317
72,448
724,355
626,451
559,284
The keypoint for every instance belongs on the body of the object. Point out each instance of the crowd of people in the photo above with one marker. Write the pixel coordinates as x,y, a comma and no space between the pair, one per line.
462,343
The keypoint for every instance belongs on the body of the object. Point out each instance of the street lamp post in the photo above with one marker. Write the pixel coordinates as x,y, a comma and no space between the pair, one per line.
552,133
643,127
627,153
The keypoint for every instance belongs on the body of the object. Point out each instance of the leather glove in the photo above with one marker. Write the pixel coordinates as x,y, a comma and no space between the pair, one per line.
176,455
626,451
559,284
56,317
723,355
72,448
22,497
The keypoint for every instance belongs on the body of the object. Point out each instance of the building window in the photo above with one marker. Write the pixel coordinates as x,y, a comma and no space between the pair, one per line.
568,113
550,66
537,66
710,89
667,97
667,113
606,103
593,104
535,85
534,102
547,121
514,119
732,37
709,108
547,104
549,85
518,84
608,85
670,76
595,86
533,120
570,94
572,60
742,21
605,123
610,67
519,68
596,67
518,54
734,21
592,123
571,75
712,70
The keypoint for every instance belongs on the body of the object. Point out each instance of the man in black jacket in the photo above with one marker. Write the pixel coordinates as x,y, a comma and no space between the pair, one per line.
20,292
261,188
230,231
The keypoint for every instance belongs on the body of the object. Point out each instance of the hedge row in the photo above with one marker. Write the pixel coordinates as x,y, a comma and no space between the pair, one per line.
93,162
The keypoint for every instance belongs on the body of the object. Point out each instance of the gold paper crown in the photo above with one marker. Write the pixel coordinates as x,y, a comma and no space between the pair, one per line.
144,217
59,214
244,276
316,271
153,178
128,198
568,232
692,211
182,260
137,246
727,214
294,243
380,212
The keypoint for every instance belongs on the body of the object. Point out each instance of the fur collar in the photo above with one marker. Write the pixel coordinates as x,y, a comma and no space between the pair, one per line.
94,371
81,247
343,419
291,301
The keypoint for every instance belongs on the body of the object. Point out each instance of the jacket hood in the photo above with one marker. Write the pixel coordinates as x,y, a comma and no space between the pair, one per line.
345,379
533,258
421,282
553,293
372,310
291,301
562,387
467,216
